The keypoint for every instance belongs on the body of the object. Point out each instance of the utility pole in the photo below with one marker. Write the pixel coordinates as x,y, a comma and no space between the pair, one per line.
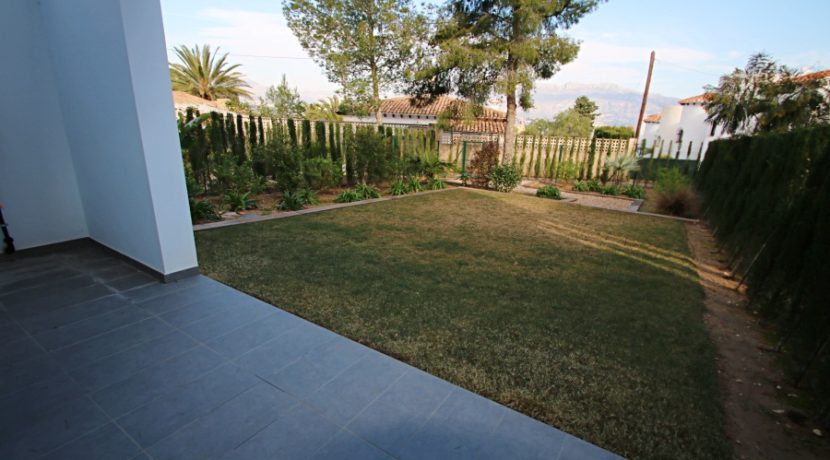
645,96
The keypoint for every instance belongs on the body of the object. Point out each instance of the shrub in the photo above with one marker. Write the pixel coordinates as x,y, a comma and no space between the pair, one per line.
239,201
399,187
291,201
321,173
567,170
347,196
674,192
634,191
610,189
594,185
374,159
437,184
505,177
483,163
549,191
308,196
413,184
287,164
238,177
202,210
367,191
580,186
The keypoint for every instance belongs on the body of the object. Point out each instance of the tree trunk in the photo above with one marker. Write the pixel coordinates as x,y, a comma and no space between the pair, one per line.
510,128
376,96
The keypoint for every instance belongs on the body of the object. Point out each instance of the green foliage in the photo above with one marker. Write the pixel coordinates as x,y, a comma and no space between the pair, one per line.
363,46
437,184
483,163
613,132
201,210
505,178
399,187
347,196
321,173
232,176
610,189
237,200
413,184
374,159
634,191
767,199
202,72
367,191
567,170
674,193
292,201
767,97
486,48
281,102
549,191
619,169
580,186
594,185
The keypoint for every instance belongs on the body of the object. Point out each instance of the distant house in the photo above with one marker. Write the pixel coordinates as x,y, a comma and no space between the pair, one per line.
682,130
182,100
401,111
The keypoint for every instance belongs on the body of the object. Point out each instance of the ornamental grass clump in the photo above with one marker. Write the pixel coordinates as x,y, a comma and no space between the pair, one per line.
674,193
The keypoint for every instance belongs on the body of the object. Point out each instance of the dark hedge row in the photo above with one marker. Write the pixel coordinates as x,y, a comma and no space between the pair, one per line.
768,200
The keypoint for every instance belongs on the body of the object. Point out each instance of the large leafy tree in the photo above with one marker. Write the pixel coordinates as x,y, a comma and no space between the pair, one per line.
483,48
281,101
363,45
324,110
587,108
766,97
204,73
568,123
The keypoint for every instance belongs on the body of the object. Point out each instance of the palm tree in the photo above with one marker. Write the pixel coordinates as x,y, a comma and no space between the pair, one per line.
204,73
324,110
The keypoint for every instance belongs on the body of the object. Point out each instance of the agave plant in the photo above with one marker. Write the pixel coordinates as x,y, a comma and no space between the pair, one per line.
202,72
619,168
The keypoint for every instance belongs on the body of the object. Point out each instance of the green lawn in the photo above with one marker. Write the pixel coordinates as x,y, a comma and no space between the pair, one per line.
586,319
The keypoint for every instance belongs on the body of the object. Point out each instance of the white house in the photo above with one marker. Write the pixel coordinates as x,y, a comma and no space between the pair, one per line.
401,111
88,142
681,130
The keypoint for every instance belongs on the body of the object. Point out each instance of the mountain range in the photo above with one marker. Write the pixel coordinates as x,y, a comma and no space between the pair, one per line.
617,105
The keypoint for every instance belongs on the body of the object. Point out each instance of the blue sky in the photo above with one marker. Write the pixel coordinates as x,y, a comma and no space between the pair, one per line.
696,41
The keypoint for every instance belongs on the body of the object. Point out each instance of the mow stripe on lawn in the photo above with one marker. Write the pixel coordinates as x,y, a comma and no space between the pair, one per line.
586,319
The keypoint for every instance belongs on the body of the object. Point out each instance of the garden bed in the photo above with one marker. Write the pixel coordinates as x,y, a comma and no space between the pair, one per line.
586,319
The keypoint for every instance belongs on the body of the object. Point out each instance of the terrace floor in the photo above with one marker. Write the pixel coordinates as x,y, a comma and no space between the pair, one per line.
100,361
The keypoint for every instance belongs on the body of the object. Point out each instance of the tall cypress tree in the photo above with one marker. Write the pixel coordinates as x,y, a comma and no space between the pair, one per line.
320,138
252,132
292,132
239,144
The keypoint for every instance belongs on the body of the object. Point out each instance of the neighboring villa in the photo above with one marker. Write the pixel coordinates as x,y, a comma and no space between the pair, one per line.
401,111
682,130
182,101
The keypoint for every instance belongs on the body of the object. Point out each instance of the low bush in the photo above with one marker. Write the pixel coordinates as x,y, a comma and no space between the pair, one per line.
567,170
483,163
347,196
505,178
674,193
239,201
634,191
308,196
610,189
549,191
398,187
321,173
594,185
580,186
413,184
291,201
202,210
437,184
359,193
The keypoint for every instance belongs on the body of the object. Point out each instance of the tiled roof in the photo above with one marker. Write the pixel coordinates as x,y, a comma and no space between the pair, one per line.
699,99
479,125
404,105
814,76
653,118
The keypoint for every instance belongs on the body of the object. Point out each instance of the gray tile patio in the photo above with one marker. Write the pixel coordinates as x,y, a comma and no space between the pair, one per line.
99,361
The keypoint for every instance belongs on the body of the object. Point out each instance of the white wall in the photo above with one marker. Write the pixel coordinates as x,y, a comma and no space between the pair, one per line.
648,132
37,177
695,128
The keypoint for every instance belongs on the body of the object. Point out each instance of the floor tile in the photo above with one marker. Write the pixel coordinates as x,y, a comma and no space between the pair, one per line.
294,338
348,394
26,406
295,435
154,381
131,281
62,425
219,324
68,315
520,433
20,350
117,367
160,418
78,331
345,446
317,367
250,336
89,351
18,376
105,443
391,420
227,427
577,449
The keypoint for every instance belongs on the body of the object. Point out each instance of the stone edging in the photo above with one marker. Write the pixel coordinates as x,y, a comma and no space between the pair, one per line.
316,209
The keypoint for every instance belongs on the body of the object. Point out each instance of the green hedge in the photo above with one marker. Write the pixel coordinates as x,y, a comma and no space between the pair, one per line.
650,166
768,200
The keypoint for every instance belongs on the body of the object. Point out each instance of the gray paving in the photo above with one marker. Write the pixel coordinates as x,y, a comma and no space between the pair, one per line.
99,361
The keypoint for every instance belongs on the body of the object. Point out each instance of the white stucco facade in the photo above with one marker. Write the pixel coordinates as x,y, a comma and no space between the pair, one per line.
88,135
682,130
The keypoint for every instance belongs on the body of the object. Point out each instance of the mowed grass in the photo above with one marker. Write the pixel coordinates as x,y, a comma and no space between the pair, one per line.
586,319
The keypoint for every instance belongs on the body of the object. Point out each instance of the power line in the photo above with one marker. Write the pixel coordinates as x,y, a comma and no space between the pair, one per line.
263,56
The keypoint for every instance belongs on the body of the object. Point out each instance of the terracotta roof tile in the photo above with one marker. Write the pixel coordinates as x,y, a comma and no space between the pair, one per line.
653,118
182,98
404,105
813,76
479,126
699,99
